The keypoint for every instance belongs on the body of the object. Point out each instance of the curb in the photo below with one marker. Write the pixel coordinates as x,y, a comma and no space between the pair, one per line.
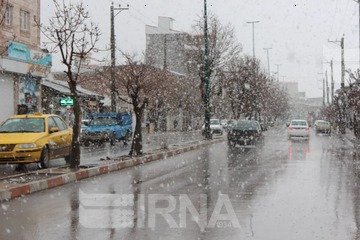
65,178
351,141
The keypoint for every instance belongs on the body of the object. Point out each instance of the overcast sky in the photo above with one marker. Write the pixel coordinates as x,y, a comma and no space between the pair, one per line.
297,31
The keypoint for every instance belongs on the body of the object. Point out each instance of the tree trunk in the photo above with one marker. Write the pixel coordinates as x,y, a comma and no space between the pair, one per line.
136,145
356,127
75,148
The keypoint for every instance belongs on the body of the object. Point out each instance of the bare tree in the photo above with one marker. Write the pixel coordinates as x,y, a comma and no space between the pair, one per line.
141,82
74,35
223,47
250,93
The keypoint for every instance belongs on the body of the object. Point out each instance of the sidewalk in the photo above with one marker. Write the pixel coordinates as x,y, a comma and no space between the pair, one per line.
26,183
348,136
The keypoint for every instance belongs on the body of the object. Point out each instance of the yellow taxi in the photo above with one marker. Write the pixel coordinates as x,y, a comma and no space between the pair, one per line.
34,138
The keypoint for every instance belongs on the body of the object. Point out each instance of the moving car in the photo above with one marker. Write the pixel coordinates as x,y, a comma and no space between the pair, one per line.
298,129
245,133
215,126
34,138
322,126
107,127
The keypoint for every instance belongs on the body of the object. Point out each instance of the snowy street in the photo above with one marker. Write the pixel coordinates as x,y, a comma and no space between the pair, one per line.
286,190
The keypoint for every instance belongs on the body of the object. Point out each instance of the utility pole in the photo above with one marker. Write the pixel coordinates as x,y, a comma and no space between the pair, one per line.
358,1
278,72
342,63
341,43
323,88
327,88
283,76
253,32
332,81
165,52
112,46
207,87
342,128
323,92
268,60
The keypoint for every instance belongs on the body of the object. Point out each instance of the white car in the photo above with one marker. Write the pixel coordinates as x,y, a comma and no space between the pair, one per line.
224,123
215,126
298,129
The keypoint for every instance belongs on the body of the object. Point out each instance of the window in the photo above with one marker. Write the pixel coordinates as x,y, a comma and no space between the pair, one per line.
51,123
24,18
23,125
8,15
60,123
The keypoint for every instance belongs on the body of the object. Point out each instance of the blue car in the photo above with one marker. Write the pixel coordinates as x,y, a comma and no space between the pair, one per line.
107,127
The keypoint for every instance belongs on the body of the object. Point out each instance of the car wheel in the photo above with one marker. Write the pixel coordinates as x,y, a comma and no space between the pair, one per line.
127,138
113,140
87,143
21,167
68,159
44,161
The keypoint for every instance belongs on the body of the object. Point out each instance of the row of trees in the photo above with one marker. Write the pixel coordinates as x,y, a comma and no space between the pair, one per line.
238,83
344,111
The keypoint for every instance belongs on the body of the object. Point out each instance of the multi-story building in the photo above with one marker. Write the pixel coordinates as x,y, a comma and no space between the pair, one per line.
165,47
22,63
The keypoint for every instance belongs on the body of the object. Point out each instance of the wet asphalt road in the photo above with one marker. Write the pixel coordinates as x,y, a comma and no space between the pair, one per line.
285,190
96,153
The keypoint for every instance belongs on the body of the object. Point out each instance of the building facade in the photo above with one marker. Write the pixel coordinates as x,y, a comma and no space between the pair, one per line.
22,62
165,47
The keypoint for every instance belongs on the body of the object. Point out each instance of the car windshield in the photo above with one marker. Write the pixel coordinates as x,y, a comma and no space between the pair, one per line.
246,125
298,123
322,123
22,125
214,122
103,122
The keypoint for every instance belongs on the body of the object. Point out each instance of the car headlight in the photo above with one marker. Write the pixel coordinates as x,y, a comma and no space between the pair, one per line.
27,145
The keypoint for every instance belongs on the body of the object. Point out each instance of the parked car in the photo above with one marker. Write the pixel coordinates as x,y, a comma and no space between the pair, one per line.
322,126
84,124
287,124
107,127
298,129
224,123
215,126
245,133
34,138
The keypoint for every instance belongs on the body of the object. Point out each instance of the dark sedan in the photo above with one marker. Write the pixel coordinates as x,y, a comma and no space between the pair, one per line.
246,133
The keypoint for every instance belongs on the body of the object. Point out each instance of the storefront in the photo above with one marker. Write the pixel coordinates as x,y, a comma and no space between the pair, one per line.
20,79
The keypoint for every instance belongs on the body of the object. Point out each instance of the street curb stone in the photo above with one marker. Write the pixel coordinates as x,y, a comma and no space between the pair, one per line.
21,190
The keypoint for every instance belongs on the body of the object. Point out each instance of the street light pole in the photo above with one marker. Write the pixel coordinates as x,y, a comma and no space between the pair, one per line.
253,32
278,72
358,1
112,46
341,43
268,59
207,87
